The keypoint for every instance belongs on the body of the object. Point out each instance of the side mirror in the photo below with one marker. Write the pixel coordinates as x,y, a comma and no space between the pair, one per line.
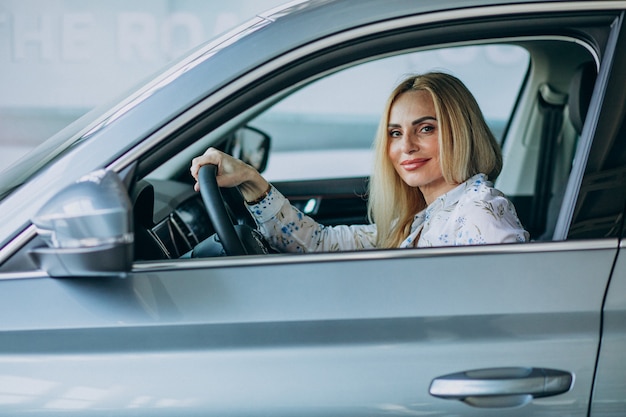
252,146
87,228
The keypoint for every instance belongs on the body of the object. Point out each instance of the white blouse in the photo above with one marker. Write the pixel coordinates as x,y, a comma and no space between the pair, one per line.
473,213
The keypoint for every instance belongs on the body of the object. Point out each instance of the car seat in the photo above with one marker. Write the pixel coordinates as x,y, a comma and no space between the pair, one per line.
579,95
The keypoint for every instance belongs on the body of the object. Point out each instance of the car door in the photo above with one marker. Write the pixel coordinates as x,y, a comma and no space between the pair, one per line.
508,330
369,334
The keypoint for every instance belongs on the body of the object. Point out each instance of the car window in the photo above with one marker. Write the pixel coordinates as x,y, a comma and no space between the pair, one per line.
325,130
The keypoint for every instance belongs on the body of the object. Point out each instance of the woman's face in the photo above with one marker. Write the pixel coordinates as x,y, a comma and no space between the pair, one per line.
413,144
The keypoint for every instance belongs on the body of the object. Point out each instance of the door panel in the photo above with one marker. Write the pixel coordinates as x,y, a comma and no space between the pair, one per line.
330,202
342,334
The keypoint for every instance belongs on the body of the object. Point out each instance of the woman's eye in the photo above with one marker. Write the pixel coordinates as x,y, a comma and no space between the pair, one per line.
395,134
427,129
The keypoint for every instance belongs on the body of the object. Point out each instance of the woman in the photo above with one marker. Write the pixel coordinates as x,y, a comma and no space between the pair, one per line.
435,158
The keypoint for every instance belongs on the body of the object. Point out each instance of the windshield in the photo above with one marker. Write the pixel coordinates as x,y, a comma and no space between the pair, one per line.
33,161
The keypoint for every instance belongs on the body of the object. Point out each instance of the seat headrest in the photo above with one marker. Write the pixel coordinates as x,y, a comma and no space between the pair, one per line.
580,90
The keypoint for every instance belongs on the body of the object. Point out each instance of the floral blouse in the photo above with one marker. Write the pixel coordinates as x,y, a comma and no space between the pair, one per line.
473,213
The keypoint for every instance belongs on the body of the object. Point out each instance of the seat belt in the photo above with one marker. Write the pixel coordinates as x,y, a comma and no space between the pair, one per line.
551,105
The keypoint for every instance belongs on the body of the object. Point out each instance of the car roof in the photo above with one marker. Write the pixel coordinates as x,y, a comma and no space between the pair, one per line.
383,8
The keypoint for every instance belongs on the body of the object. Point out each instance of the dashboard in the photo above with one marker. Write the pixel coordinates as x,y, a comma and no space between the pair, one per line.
170,219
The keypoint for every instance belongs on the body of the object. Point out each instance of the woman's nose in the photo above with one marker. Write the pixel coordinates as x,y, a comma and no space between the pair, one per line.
408,144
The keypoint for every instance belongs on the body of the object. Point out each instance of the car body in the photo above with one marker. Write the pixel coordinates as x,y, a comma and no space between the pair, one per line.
103,313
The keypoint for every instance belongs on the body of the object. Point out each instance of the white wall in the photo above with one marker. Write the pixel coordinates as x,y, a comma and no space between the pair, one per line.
60,58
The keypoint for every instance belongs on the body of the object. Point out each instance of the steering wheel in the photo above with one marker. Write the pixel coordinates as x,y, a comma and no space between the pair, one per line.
242,239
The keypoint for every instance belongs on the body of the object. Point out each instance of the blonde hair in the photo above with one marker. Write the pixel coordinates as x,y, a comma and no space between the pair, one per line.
466,148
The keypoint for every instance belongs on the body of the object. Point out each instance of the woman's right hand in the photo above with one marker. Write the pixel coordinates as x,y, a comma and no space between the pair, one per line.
231,172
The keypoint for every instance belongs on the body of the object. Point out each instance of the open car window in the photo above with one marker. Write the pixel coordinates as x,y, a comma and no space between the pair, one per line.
321,131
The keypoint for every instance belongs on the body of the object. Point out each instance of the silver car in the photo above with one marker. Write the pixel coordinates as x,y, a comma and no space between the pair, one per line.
124,292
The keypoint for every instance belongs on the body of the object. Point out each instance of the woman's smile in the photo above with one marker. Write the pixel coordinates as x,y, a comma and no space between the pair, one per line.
413,164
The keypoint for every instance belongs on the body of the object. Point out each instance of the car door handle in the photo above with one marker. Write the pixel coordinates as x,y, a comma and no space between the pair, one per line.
501,387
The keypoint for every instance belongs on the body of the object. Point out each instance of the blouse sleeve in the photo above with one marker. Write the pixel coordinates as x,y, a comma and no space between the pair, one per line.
489,221
287,229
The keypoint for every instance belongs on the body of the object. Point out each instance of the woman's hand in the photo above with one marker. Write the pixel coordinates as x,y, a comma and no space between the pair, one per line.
231,172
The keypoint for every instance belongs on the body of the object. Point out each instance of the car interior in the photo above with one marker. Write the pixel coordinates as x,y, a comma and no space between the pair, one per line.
538,140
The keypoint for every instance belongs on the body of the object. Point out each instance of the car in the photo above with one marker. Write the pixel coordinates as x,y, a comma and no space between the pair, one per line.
125,292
